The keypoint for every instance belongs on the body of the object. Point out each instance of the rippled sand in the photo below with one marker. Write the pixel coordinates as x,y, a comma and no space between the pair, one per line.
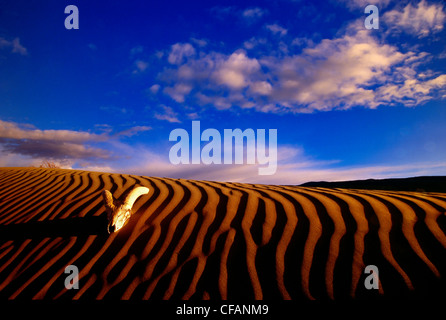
209,240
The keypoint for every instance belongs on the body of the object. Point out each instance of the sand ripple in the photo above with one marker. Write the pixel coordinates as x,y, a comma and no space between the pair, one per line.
207,240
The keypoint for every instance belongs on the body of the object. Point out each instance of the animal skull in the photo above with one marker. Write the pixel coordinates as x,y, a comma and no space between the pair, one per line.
118,213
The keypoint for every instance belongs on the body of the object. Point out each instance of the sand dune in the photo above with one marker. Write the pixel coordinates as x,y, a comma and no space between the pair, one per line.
207,240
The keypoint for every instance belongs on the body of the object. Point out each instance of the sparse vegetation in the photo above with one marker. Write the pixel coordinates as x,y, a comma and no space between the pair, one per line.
49,164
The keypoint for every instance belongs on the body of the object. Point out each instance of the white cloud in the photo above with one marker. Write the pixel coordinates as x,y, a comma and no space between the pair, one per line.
141,66
294,168
253,14
49,144
207,77
235,71
133,131
97,168
420,20
178,92
335,73
179,52
155,88
25,145
71,150
353,69
11,130
254,42
167,114
219,102
199,42
261,87
276,29
193,116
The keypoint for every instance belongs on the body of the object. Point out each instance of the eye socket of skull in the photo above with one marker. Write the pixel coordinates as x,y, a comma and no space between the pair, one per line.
111,228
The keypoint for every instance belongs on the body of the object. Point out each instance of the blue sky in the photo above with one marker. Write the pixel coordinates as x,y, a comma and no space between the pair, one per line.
347,102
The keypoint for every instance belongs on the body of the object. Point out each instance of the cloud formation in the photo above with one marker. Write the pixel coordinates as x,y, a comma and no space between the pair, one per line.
235,71
253,13
179,52
294,167
419,20
353,69
20,143
168,114
245,16
11,130
141,66
50,144
276,29
47,149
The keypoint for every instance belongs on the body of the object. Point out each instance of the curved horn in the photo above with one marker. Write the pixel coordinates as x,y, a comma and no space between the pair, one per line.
108,200
134,194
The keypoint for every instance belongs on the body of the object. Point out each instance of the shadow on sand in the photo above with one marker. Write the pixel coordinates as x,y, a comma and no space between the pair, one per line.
68,227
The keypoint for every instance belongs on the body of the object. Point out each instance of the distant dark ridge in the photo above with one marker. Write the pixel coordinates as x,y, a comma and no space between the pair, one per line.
423,184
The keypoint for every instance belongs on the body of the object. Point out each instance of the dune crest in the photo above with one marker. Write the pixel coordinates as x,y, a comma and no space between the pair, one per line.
191,239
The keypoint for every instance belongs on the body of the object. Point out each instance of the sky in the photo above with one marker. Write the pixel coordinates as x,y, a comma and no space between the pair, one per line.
348,102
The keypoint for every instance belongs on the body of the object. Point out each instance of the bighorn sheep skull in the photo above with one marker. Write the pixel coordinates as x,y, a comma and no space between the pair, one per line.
118,213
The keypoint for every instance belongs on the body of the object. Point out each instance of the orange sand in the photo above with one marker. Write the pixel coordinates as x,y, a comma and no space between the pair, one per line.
208,240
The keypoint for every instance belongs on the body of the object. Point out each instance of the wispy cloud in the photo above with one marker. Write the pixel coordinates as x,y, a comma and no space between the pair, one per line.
179,52
25,144
253,14
140,66
247,16
47,149
178,91
22,145
50,144
14,45
154,88
199,42
235,71
11,130
276,29
419,20
168,114
294,167
353,69
132,131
